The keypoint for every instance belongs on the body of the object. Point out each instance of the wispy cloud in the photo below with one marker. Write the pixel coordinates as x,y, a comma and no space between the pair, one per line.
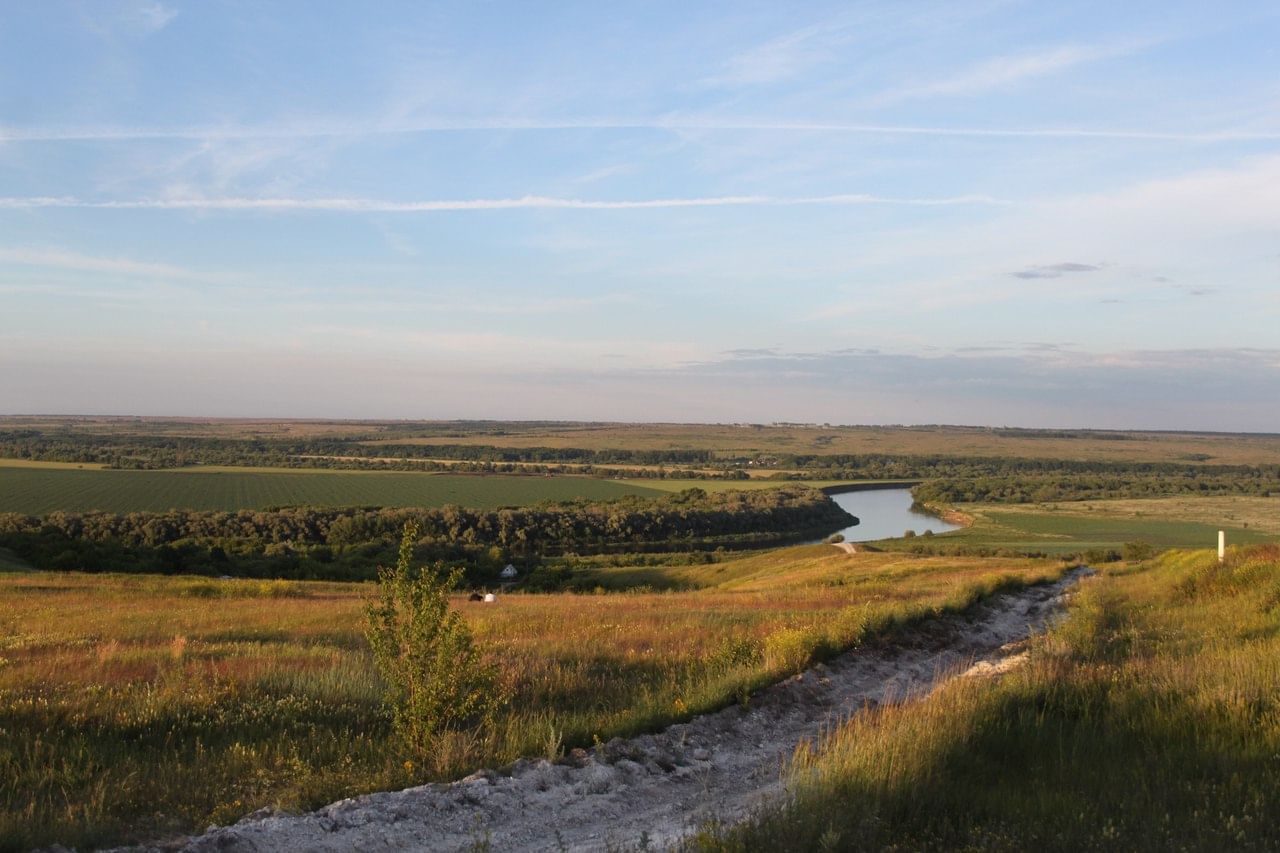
364,205
134,18
1055,270
1004,71
712,123
152,16
782,57
59,259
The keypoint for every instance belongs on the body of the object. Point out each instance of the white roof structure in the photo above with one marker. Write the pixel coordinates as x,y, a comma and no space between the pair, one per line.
510,571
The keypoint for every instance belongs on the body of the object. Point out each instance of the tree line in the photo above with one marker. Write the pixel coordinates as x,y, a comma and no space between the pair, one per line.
161,452
948,479
350,543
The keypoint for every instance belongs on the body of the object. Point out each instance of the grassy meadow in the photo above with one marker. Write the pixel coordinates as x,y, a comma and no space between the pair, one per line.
1149,720
133,707
44,488
136,707
1075,527
675,484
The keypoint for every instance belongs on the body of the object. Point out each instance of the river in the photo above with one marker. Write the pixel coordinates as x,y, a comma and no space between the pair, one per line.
885,513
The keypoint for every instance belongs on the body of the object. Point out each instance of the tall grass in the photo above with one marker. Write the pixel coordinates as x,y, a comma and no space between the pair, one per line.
134,707
1149,720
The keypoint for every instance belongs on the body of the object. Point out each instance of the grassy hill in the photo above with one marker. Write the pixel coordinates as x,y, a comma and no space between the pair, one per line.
1150,720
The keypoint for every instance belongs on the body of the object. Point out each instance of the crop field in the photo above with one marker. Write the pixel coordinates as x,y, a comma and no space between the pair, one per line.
1149,720
135,706
38,490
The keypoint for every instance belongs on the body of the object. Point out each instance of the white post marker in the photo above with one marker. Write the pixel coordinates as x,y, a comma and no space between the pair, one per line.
1222,545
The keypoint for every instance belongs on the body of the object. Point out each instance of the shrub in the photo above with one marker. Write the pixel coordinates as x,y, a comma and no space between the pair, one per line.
1136,551
437,682
1094,556
734,652
790,649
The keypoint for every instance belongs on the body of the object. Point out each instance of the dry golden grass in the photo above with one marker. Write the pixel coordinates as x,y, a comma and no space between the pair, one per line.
30,463
1221,448
1150,720
131,706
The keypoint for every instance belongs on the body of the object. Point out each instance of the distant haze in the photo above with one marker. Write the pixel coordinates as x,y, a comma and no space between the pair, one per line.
883,212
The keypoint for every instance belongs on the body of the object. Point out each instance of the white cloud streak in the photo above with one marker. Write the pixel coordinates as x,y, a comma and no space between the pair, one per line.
365,205
695,124
1005,71
86,263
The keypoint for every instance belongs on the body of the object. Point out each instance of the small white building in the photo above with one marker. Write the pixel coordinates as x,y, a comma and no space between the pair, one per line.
509,573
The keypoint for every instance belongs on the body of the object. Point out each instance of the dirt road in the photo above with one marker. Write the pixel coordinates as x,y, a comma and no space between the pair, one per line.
651,790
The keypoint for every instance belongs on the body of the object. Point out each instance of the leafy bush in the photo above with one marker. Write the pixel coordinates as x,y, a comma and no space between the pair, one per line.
1136,551
734,652
437,681
790,649
1094,556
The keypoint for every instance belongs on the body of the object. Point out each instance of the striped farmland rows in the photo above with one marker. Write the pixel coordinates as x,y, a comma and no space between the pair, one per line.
38,491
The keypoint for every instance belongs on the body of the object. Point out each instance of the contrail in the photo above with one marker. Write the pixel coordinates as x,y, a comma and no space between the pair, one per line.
310,131
364,205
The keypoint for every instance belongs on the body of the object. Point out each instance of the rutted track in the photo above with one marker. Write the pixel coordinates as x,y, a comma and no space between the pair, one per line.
655,788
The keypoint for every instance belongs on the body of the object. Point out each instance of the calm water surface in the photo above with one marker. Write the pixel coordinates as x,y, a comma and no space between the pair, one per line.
886,513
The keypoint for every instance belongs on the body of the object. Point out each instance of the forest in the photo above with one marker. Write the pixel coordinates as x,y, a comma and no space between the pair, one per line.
350,543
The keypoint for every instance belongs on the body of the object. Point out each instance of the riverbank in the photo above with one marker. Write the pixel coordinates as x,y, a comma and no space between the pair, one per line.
887,511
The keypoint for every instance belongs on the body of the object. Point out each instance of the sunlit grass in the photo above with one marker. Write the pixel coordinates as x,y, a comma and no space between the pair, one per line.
1150,720
133,706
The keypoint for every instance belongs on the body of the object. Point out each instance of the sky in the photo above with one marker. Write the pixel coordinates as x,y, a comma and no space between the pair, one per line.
971,211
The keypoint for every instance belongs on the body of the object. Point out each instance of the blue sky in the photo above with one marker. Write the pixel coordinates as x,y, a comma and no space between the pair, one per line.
994,212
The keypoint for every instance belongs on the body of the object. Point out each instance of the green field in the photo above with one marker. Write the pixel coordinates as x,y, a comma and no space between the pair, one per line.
41,490
677,485
1072,527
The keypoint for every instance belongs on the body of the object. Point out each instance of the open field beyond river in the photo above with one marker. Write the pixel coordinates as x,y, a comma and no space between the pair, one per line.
1073,527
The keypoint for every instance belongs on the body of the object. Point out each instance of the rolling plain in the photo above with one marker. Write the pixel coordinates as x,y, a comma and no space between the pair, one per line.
139,707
